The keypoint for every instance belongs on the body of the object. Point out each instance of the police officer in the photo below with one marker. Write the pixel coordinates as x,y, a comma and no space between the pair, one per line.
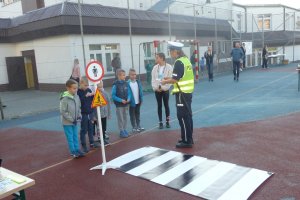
183,81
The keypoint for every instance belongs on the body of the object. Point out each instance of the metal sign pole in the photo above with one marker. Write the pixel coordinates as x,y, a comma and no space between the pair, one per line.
1,109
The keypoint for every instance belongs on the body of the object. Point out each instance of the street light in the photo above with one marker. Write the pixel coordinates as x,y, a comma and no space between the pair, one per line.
81,31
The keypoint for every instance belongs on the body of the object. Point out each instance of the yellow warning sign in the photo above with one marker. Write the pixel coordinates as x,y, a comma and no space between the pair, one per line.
98,100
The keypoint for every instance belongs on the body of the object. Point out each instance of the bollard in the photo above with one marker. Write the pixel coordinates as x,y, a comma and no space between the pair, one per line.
1,109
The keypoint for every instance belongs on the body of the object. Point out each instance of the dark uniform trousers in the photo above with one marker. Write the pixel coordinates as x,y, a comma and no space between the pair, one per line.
184,115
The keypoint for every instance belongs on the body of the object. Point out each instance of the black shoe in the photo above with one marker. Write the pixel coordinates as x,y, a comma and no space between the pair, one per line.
237,80
234,78
180,141
160,126
184,145
168,125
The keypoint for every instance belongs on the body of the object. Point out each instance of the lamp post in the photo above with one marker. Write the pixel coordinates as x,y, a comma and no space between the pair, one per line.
130,34
81,31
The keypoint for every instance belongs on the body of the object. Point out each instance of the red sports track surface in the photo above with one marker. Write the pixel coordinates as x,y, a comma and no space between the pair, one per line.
271,145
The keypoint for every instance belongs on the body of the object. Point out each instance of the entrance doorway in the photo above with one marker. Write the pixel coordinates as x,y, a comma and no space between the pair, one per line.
30,69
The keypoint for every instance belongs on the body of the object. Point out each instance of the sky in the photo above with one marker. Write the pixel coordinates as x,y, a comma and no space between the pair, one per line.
291,3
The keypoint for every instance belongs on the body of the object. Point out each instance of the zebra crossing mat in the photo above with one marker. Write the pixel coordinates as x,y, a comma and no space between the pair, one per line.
198,176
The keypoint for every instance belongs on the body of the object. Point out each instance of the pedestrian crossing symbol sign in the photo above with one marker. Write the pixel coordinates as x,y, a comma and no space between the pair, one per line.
99,100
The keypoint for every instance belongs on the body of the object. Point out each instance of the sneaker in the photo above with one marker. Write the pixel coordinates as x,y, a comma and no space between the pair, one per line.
85,149
95,145
168,125
134,130
80,154
140,129
184,145
106,136
123,134
160,125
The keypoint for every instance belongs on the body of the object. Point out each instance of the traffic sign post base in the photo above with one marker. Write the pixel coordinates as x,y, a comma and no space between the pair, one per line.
103,166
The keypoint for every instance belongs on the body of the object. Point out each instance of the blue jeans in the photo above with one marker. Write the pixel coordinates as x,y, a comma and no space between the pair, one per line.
71,132
86,126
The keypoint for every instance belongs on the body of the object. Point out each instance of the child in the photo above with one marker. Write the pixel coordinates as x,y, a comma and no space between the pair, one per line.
121,96
70,115
136,90
202,65
86,98
104,111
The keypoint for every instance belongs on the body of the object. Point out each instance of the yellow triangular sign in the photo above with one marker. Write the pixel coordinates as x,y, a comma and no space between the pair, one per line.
98,100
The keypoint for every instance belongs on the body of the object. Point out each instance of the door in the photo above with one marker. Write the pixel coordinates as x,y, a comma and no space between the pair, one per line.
16,73
30,69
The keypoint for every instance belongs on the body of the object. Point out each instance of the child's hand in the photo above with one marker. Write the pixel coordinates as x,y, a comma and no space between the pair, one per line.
89,94
124,101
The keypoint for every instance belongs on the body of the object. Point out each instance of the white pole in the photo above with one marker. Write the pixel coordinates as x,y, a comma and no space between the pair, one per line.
103,166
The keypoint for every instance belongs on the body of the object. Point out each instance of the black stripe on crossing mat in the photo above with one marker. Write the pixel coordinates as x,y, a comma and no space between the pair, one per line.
139,161
191,175
165,167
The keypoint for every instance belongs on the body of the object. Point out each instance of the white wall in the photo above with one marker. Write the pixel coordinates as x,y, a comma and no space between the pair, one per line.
53,58
11,10
6,50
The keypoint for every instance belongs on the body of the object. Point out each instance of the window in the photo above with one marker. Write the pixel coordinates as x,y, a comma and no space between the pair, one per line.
104,53
6,2
264,22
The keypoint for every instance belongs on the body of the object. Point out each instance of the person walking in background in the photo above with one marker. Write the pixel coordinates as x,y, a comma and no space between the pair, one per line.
209,56
70,115
243,48
202,65
76,71
237,56
183,81
116,64
105,112
265,54
86,98
160,71
121,96
136,90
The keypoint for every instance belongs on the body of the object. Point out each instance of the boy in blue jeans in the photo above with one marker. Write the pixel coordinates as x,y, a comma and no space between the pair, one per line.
121,96
70,114
136,91
86,98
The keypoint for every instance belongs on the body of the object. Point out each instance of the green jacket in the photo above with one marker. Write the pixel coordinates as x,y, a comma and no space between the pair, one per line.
69,108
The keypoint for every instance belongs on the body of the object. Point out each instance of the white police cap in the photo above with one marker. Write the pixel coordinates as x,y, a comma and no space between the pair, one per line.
175,45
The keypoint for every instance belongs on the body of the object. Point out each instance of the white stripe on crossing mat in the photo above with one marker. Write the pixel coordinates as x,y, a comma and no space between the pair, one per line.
209,179
246,185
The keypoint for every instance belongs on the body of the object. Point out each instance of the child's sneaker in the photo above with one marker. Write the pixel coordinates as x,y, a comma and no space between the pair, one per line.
80,154
134,130
140,129
168,124
123,134
160,125
95,145
85,149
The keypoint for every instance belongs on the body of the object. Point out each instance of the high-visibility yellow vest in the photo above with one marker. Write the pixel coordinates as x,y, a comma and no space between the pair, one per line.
186,83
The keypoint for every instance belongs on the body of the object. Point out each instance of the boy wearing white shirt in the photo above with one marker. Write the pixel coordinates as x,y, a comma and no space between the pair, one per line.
135,87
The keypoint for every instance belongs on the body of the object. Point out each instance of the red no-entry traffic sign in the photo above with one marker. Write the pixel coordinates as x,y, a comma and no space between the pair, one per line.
94,71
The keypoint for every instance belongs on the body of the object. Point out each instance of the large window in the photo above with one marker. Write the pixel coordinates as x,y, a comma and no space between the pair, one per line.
104,53
239,22
264,22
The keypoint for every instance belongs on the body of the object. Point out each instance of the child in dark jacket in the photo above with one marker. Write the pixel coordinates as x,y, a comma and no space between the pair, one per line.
121,96
70,114
86,98
136,90
105,114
